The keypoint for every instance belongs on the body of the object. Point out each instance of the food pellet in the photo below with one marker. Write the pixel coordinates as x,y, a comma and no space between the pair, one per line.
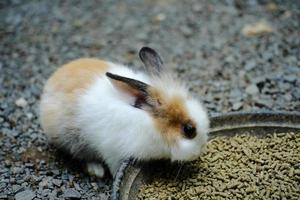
238,167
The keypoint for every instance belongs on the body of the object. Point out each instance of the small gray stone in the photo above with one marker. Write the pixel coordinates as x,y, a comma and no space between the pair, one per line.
44,183
187,31
71,177
21,102
7,163
12,180
290,78
263,103
57,182
24,184
71,193
103,196
229,59
288,97
252,89
2,185
2,171
236,94
25,195
160,17
35,178
52,195
77,187
5,180
3,196
29,165
197,7
250,65
65,177
46,192
55,172
237,105
29,115
17,188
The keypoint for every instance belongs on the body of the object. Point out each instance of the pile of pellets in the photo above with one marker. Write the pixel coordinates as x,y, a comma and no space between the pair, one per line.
239,167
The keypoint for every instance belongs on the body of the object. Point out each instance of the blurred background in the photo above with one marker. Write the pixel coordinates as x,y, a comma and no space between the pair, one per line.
234,55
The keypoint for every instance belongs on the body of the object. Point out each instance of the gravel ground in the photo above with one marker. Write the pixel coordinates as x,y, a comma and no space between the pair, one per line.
228,68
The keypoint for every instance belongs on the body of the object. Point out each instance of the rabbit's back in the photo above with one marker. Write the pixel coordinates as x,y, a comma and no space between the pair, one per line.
62,92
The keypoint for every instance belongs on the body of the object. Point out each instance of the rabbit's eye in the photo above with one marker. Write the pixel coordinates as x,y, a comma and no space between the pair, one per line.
189,131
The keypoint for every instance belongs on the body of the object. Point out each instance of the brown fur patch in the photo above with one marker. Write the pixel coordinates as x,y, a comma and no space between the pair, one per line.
170,115
77,75
61,92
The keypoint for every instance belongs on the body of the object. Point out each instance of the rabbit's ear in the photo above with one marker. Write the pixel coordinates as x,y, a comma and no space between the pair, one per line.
151,60
132,87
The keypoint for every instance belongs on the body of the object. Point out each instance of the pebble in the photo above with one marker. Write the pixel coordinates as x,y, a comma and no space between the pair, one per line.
16,170
160,17
237,106
71,193
288,97
187,31
272,7
250,65
21,102
44,183
2,185
25,195
103,196
3,196
197,7
290,78
52,195
17,188
263,102
252,89
95,185
57,182
36,178
77,187
55,172
29,115
29,165
258,28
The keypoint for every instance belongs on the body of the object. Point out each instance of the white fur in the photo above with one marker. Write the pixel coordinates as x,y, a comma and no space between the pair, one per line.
113,127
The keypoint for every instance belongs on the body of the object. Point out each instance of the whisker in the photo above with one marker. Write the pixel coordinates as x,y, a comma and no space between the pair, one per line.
181,165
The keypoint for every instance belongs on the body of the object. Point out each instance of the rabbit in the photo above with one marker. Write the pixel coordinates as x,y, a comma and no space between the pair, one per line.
100,111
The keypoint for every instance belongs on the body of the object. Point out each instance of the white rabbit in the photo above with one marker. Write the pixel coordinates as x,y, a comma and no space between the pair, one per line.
101,111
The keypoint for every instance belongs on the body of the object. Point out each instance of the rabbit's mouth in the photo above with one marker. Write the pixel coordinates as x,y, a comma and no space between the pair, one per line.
186,150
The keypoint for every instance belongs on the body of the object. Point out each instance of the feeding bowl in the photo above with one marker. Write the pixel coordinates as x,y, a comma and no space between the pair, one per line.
131,176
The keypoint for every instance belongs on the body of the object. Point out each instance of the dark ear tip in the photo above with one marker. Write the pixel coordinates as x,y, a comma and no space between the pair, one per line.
111,75
145,50
108,74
